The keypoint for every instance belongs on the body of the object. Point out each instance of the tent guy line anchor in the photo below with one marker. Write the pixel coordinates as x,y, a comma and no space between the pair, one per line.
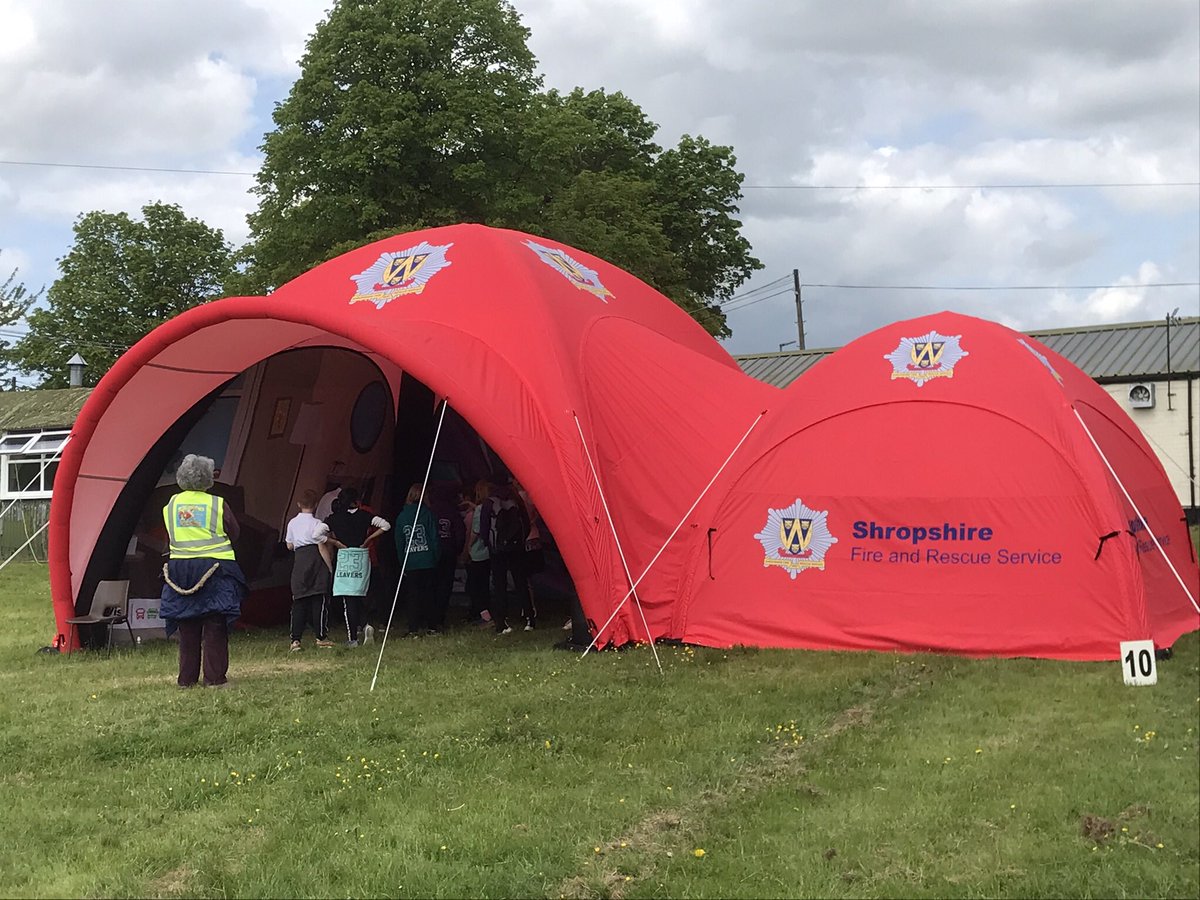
620,551
404,563
667,542
1141,518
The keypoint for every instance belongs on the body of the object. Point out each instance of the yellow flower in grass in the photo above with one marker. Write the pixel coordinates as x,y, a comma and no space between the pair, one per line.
698,853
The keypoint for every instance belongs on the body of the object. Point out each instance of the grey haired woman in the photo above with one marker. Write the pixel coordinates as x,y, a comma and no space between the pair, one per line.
203,586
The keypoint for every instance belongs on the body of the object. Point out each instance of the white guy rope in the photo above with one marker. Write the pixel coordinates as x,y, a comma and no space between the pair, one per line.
1142,518
24,545
628,575
1169,458
412,531
12,502
650,565
45,463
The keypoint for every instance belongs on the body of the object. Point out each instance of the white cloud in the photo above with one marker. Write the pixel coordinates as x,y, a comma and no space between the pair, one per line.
894,93
12,258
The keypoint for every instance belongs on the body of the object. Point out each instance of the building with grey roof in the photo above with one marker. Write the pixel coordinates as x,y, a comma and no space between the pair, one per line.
1152,370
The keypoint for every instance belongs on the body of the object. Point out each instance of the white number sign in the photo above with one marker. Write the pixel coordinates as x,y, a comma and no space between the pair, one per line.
1137,662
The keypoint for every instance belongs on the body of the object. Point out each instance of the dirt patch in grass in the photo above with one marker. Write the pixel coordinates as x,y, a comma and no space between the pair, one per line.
654,835
1096,829
1100,829
172,883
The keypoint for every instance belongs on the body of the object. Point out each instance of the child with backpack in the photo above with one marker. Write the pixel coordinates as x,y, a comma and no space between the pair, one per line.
417,548
509,527
479,558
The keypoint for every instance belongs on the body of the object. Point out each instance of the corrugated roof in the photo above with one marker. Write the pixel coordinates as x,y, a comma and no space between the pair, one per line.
1131,350
28,410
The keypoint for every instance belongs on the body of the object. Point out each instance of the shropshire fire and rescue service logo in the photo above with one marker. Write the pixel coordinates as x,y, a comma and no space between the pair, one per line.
1042,359
571,269
397,274
796,538
925,358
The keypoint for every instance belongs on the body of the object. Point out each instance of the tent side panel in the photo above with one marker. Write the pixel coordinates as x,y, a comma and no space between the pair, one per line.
659,430
914,526
1168,609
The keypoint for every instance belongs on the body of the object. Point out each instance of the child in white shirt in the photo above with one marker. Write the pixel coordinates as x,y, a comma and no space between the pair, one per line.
306,536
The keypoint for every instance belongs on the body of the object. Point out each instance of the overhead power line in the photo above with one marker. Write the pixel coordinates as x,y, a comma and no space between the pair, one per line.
726,307
68,165
1001,287
756,300
1032,185
753,291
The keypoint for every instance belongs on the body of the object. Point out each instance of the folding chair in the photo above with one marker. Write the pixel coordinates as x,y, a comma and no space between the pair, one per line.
110,606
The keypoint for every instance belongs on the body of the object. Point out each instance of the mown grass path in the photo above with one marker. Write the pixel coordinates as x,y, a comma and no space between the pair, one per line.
487,767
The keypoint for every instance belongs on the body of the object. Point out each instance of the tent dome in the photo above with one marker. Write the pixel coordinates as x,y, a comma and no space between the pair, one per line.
549,353
944,483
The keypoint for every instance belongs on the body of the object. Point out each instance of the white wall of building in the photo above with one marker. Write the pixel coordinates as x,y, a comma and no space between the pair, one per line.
1167,429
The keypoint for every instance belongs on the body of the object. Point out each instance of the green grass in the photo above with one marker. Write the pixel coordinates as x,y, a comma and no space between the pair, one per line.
485,767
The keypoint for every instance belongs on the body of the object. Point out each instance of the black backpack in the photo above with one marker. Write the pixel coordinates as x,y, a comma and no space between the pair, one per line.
508,528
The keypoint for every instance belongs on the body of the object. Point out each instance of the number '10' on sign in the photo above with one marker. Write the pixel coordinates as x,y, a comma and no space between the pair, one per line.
1137,662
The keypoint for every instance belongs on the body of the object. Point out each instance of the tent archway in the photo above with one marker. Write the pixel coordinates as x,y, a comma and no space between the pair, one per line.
493,320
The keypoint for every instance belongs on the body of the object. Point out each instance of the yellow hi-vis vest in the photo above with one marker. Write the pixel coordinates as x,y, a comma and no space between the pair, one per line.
195,528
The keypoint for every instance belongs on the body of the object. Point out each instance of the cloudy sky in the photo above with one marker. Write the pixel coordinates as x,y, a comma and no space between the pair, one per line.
846,116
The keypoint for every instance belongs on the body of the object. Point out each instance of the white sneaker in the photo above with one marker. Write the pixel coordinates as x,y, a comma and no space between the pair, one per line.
506,631
351,644
368,635
529,628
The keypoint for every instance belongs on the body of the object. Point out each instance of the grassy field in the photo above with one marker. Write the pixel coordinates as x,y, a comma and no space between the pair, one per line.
487,767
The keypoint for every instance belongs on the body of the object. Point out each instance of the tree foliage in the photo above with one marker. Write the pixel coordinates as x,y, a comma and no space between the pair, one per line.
15,300
121,278
412,113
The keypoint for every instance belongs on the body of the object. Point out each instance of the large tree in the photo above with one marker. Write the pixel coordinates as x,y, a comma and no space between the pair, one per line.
121,278
406,113
412,113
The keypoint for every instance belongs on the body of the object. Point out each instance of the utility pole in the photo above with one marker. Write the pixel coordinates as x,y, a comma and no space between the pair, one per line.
799,308
1172,319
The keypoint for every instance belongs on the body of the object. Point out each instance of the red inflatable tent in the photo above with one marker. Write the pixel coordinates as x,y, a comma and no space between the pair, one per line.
550,354
943,484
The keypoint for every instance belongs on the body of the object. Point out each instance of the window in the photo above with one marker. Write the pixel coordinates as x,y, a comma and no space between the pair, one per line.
368,415
28,463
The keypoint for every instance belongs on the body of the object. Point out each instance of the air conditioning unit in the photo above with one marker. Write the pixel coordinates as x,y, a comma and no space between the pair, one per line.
1141,396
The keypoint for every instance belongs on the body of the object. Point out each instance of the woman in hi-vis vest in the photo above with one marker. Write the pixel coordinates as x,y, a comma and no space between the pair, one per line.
203,585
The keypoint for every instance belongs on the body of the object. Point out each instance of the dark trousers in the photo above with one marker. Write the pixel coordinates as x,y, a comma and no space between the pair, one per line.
417,589
443,587
502,564
206,637
581,632
311,611
479,573
353,614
